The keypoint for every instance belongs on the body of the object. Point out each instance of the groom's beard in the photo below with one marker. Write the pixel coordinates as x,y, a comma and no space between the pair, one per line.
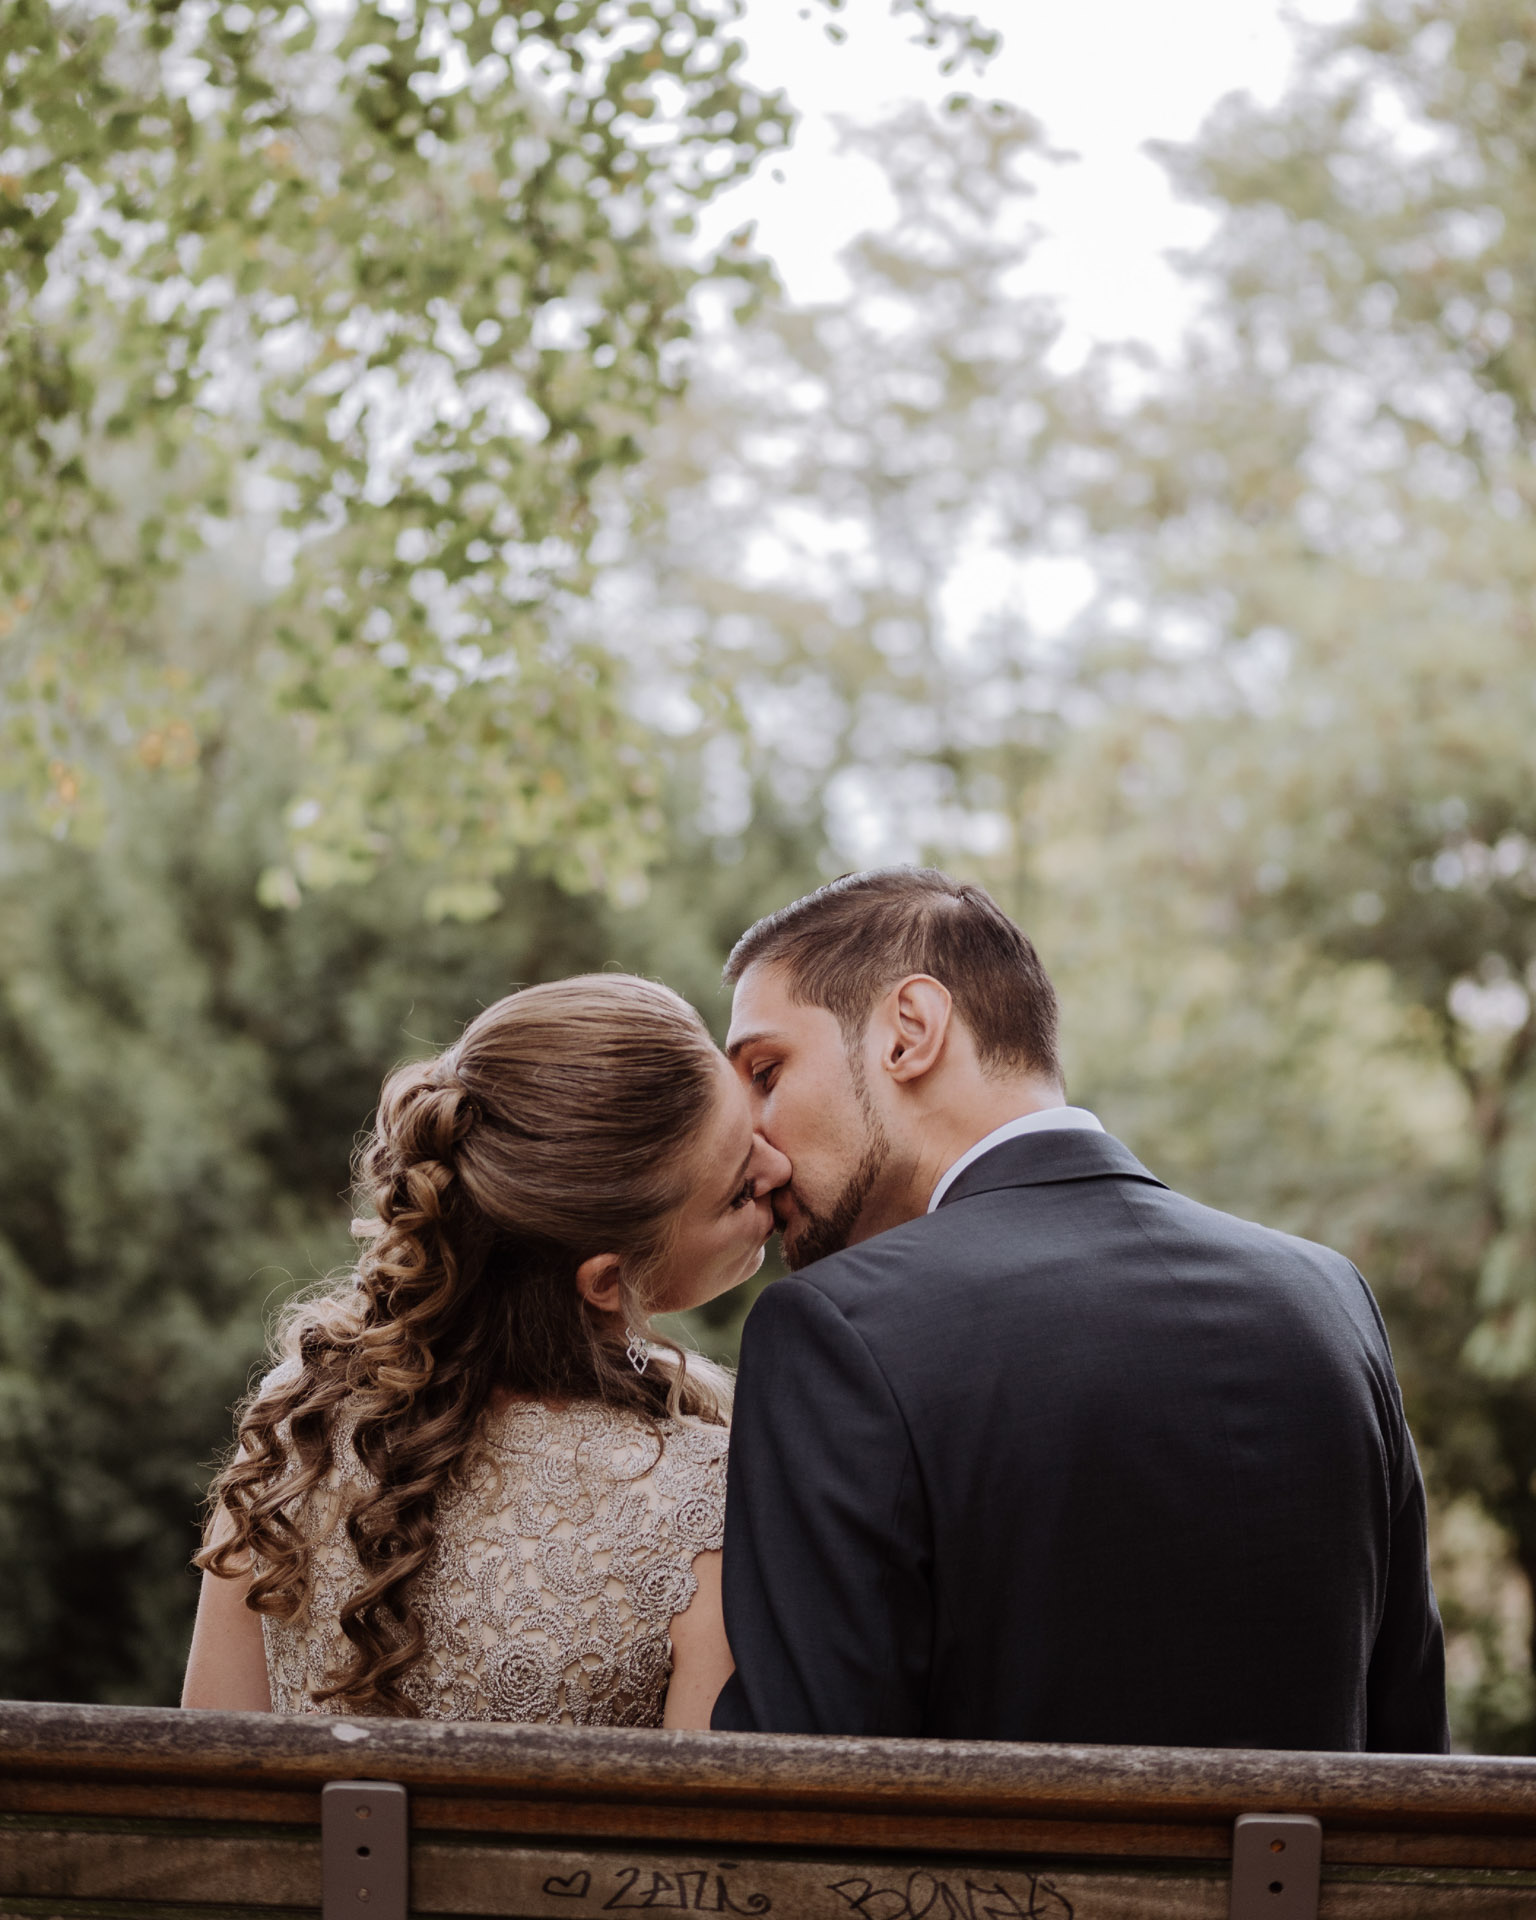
813,1236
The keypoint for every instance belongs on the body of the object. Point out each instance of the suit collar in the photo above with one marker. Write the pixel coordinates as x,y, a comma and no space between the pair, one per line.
1044,1159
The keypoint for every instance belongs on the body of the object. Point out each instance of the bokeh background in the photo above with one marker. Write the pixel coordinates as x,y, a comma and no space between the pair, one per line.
491,490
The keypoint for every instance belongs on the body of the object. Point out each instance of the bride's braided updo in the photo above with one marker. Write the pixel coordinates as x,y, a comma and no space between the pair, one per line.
563,1124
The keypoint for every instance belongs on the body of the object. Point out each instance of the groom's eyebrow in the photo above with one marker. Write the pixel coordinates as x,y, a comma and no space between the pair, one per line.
748,1040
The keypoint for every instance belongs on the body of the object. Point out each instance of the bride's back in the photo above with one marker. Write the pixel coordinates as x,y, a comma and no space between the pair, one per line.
561,1558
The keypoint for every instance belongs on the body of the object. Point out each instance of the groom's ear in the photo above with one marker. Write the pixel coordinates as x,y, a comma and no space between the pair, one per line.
598,1281
917,1015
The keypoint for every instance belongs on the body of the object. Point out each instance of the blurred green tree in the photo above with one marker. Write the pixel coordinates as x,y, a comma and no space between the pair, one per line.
183,1073
835,479
410,281
1298,849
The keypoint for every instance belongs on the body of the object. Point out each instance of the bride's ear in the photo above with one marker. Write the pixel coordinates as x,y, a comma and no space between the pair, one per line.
600,1282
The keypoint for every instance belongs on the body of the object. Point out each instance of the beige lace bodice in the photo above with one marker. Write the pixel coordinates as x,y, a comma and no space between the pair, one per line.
560,1561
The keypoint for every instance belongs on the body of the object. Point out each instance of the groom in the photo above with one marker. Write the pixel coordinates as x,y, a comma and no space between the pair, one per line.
1029,1447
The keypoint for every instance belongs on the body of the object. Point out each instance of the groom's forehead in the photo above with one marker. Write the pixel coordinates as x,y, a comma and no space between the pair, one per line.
768,1013
763,1009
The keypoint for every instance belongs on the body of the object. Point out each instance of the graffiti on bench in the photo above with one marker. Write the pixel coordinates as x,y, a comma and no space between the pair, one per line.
683,1890
926,1897
916,1896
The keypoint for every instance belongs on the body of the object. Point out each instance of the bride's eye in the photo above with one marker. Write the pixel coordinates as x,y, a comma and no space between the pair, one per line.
743,1197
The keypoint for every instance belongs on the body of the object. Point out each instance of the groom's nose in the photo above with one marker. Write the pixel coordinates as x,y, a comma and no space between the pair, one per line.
770,1168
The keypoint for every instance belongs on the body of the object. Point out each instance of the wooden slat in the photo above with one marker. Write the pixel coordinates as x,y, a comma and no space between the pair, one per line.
444,1762
258,1873
21,1908
746,1827
1031,1839
144,1814
255,1869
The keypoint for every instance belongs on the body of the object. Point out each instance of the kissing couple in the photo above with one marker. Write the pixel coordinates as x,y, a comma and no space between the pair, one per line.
1025,1447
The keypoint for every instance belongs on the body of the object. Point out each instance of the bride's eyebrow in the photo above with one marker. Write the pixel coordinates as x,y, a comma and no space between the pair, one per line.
741,1174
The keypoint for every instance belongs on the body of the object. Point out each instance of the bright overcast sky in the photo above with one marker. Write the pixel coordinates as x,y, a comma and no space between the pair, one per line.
1104,76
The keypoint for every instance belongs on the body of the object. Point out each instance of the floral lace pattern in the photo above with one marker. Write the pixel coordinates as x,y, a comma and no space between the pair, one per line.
561,1558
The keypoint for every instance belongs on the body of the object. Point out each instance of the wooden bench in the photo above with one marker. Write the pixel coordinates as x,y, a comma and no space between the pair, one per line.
123,1813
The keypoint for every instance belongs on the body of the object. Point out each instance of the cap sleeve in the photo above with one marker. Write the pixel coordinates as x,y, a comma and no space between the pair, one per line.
687,1501
283,1374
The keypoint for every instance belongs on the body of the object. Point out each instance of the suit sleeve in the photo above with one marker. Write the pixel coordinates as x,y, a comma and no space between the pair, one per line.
1405,1687
1405,1690
827,1547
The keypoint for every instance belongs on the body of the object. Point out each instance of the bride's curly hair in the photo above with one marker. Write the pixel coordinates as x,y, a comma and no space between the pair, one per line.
564,1123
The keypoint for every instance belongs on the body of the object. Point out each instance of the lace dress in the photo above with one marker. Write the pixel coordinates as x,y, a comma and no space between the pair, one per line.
560,1561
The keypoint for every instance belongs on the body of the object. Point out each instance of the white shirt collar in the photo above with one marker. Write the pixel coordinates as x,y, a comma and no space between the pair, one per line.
1047,1120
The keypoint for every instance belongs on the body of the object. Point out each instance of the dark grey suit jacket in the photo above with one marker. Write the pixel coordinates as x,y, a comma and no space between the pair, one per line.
1075,1459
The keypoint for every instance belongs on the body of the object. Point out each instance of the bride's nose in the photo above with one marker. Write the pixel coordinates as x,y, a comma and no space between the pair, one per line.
770,1169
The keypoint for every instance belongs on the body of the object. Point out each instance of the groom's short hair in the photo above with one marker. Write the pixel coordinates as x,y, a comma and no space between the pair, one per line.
844,945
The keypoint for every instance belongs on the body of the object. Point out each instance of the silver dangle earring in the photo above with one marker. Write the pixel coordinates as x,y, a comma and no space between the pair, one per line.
637,1352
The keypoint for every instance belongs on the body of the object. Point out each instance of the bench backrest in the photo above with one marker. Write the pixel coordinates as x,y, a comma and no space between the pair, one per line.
143,1811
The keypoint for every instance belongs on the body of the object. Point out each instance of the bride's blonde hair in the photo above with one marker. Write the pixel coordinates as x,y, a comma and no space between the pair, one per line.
564,1123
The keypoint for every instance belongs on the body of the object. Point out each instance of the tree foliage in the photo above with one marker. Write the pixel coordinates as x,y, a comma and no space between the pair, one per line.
397,291
409,280
183,1074
834,476
1308,795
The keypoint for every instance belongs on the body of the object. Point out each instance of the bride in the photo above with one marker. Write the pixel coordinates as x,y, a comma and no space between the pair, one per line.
475,1487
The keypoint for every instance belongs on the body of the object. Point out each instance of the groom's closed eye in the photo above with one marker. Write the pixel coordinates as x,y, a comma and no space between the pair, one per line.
762,1077
756,1069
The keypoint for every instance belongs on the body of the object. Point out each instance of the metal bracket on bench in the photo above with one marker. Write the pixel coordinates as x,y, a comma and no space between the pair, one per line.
364,1850
1277,1862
